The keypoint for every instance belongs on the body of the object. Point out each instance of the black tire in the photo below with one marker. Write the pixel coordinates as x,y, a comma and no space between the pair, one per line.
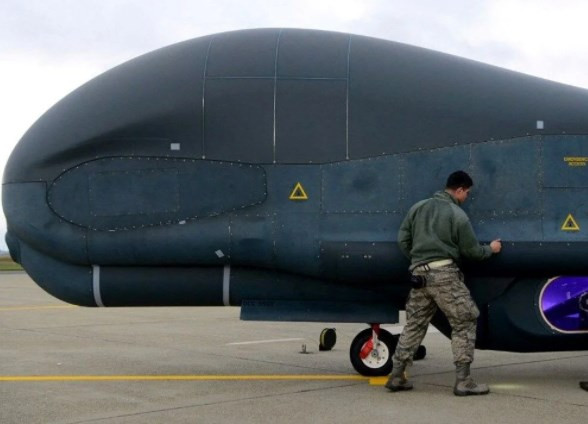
371,367
420,353
328,339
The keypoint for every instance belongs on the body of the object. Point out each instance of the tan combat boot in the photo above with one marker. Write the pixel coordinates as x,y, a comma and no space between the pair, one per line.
398,380
465,385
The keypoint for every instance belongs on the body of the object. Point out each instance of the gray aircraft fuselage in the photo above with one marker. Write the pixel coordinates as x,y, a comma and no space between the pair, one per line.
272,168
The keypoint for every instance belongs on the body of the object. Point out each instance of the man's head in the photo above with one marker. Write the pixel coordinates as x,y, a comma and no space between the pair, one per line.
458,185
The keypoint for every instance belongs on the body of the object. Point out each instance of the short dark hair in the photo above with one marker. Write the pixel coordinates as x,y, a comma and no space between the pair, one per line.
459,179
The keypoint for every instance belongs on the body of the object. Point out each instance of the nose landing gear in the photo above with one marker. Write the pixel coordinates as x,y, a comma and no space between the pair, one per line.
372,349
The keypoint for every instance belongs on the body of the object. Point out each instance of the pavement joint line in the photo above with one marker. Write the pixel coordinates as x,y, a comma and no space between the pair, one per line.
278,377
502,392
199,405
509,364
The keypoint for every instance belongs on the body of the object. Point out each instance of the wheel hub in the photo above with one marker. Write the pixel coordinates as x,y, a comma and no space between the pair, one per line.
377,357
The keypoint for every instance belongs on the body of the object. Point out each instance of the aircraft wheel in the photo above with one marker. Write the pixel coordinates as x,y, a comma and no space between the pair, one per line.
420,353
328,339
379,361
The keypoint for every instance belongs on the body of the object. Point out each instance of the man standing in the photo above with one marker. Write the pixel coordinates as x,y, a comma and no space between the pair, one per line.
435,234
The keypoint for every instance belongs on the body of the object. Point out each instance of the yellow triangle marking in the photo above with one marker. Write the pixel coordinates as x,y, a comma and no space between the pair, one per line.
298,193
570,224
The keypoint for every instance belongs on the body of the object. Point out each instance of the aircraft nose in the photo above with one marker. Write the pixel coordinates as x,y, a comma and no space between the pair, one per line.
13,247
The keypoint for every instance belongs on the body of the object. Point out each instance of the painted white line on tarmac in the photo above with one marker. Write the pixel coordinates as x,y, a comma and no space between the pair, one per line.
264,341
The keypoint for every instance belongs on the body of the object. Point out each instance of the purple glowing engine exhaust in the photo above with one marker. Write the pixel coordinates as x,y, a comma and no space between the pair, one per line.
564,304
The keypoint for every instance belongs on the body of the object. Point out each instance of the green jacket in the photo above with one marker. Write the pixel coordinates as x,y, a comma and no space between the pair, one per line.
438,228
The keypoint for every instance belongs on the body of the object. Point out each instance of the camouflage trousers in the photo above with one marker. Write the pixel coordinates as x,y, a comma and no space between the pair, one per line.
445,290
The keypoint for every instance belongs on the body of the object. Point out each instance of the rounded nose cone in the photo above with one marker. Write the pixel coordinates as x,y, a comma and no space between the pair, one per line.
13,247
138,107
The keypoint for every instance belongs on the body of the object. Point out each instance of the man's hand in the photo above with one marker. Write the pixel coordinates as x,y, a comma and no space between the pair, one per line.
496,246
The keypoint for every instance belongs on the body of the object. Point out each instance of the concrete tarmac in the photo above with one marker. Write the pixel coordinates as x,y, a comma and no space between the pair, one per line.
66,364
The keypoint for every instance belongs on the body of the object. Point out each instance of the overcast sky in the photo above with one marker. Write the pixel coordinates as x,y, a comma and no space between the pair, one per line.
50,47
